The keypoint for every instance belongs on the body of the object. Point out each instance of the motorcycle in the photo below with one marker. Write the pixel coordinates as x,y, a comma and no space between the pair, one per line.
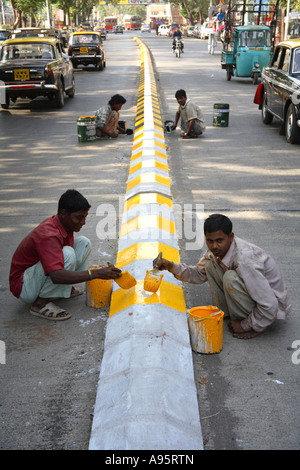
178,47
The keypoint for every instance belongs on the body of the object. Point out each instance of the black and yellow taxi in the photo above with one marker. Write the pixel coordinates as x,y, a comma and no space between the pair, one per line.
278,94
85,48
32,67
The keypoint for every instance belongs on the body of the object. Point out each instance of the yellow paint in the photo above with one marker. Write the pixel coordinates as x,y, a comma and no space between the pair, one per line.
137,155
98,292
149,164
136,146
147,221
160,154
137,137
157,121
160,136
149,178
206,329
147,198
126,281
170,295
146,251
159,128
140,129
139,122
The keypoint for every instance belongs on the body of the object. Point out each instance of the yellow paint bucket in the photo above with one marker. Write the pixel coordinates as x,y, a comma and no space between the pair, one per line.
206,329
98,291
152,280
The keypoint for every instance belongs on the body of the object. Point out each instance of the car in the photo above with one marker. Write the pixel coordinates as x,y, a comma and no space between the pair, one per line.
86,48
145,28
31,67
190,32
205,30
103,33
118,29
196,31
163,30
278,94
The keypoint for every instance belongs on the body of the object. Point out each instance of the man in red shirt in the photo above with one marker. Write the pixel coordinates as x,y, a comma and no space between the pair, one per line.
48,261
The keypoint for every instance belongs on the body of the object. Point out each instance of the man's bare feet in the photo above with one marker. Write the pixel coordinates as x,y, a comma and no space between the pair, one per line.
238,331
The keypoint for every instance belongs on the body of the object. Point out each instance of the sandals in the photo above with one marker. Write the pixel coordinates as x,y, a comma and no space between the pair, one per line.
75,292
51,312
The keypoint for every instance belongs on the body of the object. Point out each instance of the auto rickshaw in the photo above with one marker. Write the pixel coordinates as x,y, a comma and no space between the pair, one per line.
248,38
249,53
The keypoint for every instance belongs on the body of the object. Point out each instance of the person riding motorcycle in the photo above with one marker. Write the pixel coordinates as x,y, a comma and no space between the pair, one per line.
177,35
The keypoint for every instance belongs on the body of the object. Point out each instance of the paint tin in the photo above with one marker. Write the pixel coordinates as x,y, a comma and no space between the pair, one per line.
206,329
98,291
86,128
221,115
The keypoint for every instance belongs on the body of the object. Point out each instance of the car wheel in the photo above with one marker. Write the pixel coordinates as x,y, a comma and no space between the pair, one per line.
6,104
71,92
228,72
255,78
267,117
59,97
292,131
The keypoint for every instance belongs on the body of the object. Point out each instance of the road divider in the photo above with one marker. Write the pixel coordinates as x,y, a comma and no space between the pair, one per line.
146,396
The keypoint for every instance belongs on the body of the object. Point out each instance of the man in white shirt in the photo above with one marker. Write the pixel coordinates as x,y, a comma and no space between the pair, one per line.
192,119
245,282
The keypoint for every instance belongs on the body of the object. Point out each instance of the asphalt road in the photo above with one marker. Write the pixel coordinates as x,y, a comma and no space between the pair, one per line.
248,394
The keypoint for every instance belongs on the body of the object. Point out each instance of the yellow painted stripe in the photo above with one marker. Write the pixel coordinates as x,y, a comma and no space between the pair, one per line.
147,221
147,198
137,155
146,251
160,154
136,146
139,122
159,144
149,178
148,164
168,294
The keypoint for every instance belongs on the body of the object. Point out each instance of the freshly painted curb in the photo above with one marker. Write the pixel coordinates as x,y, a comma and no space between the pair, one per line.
146,396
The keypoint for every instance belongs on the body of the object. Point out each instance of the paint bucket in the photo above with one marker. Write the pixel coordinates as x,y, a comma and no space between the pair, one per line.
98,291
206,329
168,125
86,128
221,115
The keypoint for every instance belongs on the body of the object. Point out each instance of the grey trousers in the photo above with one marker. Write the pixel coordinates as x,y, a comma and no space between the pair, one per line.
228,292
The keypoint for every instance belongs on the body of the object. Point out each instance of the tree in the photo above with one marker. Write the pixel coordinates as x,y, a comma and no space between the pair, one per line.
23,8
192,9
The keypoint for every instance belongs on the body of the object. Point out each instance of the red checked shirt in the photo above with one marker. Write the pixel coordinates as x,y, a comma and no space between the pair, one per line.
44,244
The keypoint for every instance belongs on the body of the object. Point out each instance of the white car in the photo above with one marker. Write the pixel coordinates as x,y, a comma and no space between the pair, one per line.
205,29
145,28
163,30
190,31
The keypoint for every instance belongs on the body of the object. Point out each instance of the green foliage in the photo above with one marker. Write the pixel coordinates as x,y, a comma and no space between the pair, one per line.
192,10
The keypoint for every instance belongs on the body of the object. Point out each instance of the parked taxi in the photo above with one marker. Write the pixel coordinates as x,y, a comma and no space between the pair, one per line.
35,66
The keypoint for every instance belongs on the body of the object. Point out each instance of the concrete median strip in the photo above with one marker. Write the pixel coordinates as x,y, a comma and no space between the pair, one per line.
146,397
